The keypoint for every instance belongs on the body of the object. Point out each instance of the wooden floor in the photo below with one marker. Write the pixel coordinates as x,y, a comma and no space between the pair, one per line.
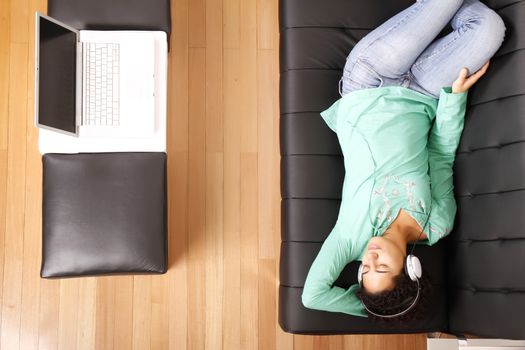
224,207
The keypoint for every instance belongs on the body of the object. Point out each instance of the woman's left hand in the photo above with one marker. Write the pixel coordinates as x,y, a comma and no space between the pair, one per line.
463,83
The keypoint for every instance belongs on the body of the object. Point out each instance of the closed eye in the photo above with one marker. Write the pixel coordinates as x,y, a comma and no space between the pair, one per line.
378,271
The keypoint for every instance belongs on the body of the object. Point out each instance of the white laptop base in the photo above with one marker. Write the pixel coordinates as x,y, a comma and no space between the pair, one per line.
136,85
135,131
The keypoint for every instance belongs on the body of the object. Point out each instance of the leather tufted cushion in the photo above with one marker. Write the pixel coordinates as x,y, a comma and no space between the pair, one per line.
487,252
104,213
113,14
316,37
477,271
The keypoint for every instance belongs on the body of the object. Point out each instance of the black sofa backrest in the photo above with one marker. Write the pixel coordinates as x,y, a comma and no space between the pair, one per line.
486,260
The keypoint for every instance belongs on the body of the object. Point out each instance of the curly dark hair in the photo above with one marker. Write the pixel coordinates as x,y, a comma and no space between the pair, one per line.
382,302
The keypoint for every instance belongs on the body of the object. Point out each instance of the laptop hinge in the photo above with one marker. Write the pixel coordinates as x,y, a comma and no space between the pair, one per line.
79,84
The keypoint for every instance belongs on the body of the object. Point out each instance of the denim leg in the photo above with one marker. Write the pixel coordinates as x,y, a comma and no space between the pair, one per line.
477,34
390,50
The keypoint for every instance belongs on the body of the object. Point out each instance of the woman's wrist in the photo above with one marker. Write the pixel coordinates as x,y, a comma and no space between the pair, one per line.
458,91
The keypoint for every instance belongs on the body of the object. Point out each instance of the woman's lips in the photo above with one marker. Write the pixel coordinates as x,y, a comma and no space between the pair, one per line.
373,247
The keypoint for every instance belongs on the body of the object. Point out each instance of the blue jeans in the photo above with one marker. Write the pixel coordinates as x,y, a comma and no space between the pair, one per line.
404,50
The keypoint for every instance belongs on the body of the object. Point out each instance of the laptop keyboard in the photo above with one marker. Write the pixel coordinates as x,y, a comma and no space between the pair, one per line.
101,84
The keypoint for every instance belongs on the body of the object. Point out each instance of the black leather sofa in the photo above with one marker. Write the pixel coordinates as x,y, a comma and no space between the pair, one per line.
478,272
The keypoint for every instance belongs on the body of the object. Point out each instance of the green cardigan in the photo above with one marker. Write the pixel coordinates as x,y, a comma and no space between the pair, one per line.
399,147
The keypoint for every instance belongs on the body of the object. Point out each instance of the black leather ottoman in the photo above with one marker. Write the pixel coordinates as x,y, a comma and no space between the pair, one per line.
113,14
104,213
477,272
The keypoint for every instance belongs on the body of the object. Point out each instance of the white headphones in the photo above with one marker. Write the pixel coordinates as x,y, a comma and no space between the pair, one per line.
413,267
413,270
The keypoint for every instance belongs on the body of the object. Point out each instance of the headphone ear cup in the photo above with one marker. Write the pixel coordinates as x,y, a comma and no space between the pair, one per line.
360,274
413,267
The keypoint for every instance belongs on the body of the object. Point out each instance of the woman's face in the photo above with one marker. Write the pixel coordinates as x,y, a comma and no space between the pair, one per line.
382,261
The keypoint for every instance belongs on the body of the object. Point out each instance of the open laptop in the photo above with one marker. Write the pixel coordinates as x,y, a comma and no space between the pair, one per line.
94,83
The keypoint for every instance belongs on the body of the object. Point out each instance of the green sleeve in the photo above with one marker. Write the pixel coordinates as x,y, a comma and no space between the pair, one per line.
319,292
442,144
330,116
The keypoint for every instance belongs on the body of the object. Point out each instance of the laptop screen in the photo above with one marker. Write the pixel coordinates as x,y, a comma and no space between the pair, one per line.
57,76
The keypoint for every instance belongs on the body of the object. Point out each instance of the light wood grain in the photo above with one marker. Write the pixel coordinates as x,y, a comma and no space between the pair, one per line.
178,165
15,198
214,231
248,175
105,313
221,289
32,239
248,76
232,199
267,298
196,201
49,315
268,156
197,23
123,322
4,123
3,207
159,325
141,335
249,261
86,314
19,22
68,313
214,77
114,312
214,283
267,29
4,76
231,28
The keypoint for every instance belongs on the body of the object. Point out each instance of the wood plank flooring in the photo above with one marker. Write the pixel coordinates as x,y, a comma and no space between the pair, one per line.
224,206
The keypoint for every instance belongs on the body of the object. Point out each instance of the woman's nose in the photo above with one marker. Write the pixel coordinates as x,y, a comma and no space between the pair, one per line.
370,259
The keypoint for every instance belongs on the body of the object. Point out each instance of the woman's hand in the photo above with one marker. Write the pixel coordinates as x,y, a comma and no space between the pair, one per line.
463,83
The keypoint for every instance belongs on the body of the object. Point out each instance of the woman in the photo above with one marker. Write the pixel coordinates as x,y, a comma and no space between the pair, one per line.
399,123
